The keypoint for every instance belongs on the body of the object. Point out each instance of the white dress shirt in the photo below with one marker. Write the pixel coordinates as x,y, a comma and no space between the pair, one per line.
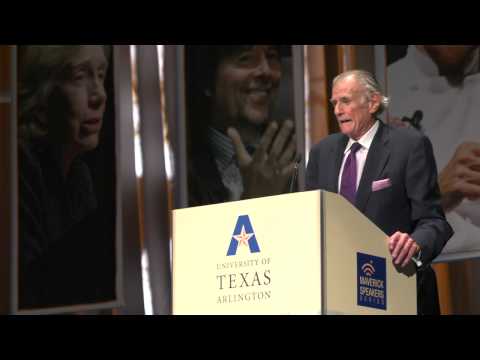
366,142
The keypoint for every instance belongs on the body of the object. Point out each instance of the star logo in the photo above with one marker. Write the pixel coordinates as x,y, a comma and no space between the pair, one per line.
243,235
243,238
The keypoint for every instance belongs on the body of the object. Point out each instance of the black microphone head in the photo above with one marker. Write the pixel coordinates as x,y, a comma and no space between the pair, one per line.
417,119
417,116
299,158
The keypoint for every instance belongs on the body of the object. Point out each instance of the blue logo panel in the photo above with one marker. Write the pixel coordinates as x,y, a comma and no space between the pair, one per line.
372,281
243,236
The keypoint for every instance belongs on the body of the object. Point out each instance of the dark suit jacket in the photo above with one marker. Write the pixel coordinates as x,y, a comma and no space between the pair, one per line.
410,205
66,244
205,186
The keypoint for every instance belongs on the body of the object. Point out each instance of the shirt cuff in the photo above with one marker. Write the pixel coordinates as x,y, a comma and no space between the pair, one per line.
417,259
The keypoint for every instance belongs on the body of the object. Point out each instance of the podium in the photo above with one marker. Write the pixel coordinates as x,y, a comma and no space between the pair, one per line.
309,253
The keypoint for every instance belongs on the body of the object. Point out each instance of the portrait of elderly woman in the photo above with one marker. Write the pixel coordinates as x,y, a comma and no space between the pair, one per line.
241,134
66,176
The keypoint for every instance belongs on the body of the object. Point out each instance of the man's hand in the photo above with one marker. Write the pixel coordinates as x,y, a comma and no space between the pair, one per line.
461,177
269,170
403,248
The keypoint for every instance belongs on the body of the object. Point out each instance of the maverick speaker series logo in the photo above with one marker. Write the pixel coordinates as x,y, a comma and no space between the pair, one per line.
372,281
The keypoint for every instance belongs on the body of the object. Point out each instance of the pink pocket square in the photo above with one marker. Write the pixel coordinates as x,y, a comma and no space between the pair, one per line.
381,184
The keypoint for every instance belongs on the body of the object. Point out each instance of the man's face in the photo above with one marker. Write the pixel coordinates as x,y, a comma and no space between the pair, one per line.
354,112
450,59
78,101
246,85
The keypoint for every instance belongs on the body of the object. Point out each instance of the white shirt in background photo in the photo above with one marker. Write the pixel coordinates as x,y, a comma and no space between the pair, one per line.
451,116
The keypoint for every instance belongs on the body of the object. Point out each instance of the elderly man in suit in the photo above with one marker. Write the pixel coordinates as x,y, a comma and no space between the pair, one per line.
388,174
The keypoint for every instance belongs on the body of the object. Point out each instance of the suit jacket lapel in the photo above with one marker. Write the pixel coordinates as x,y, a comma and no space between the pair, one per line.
337,155
377,159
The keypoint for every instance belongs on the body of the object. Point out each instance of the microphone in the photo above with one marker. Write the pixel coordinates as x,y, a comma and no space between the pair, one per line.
293,181
416,260
416,119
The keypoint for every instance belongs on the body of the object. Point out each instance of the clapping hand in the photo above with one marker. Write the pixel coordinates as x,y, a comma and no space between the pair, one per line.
268,171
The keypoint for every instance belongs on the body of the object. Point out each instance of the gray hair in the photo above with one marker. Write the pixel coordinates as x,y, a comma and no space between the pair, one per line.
40,67
370,85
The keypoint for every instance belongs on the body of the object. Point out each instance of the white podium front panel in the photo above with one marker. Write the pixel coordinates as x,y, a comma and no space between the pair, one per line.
257,256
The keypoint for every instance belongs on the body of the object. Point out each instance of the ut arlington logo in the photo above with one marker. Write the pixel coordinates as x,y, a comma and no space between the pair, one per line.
243,236
372,281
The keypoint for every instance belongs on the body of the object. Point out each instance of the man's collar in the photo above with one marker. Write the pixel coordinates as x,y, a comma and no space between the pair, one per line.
222,148
367,139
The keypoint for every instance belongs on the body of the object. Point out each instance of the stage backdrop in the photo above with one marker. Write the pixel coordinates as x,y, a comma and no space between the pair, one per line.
247,87
68,254
436,89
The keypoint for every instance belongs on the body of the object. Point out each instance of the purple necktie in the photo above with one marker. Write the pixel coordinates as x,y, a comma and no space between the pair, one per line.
348,188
